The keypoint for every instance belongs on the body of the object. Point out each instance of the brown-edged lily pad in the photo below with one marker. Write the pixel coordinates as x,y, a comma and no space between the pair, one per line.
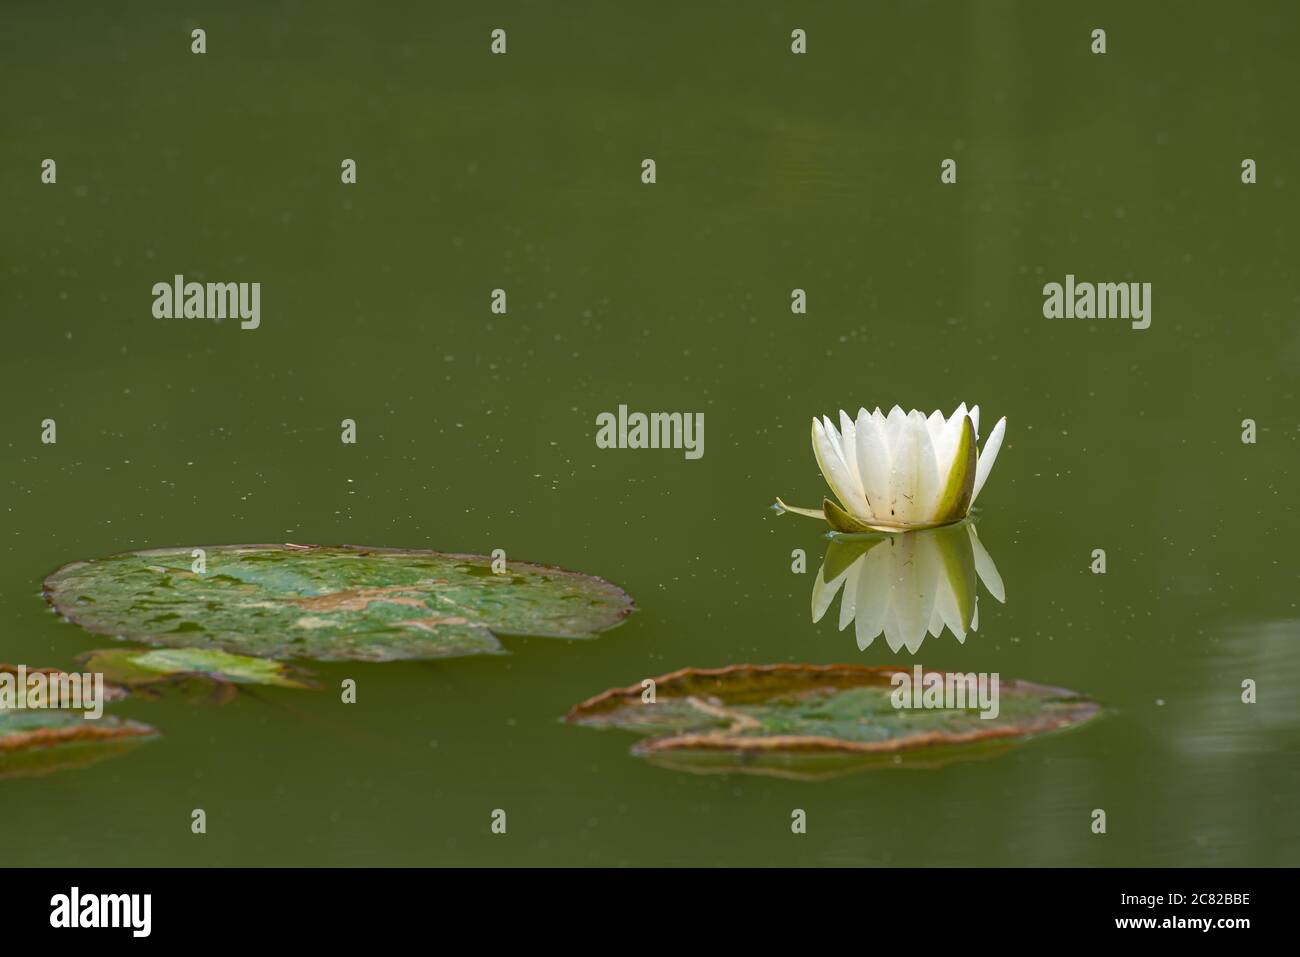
330,603
40,742
36,741
812,720
54,677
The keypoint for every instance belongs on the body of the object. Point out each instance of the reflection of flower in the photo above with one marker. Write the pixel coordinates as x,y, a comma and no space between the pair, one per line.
902,471
907,586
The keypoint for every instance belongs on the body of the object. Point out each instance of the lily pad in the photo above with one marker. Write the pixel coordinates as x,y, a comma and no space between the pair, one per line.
135,669
112,691
822,765
801,720
330,603
34,742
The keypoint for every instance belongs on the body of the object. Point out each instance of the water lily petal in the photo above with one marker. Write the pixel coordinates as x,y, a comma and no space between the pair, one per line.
988,572
946,606
947,436
849,446
929,575
830,458
894,423
935,420
872,601
894,636
956,595
936,623
904,504
824,593
929,480
987,456
874,460
937,426
849,601
912,601
843,563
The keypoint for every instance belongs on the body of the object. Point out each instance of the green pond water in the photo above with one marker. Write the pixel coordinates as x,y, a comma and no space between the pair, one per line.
476,431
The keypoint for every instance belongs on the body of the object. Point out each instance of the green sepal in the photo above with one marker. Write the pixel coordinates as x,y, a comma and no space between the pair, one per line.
796,510
841,520
954,503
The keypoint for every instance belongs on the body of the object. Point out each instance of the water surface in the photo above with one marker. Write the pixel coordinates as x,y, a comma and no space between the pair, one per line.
477,432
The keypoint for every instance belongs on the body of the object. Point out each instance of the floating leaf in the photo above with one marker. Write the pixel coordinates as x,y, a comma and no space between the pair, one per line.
34,742
819,766
135,669
330,603
805,720
112,691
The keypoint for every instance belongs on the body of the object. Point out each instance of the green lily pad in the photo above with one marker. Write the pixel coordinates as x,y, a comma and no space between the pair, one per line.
805,720
330,603
136,669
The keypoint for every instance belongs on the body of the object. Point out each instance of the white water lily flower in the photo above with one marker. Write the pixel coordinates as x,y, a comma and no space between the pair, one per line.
907,586
901,471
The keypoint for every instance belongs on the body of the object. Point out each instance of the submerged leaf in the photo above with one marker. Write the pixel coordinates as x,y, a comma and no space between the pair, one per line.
821,765
804,719
134,668
330,603
112,690
34,742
